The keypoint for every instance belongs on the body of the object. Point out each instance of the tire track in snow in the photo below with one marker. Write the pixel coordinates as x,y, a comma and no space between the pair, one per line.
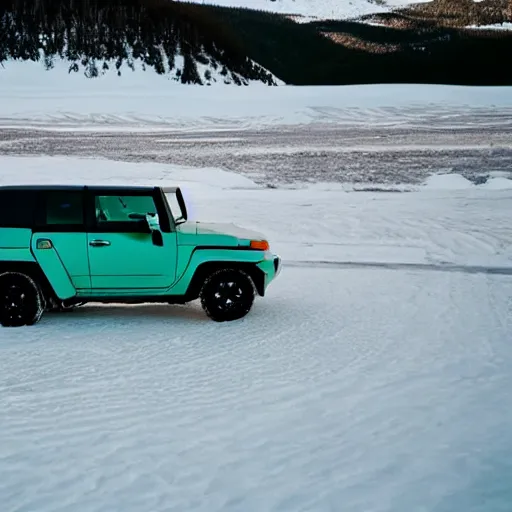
427,267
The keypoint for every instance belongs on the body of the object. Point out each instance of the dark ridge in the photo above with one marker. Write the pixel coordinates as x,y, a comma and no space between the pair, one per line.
425,50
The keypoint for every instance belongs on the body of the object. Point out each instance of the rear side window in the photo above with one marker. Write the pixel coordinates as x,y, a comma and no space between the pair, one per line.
64,208
17,208
60,211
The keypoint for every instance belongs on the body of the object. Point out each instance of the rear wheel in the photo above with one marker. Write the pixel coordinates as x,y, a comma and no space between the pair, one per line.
227,294
21,300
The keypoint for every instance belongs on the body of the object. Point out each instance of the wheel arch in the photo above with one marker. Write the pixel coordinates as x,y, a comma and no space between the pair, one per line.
33,270
205,269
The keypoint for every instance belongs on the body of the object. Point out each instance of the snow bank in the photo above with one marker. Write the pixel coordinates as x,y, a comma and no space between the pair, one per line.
458,182
69,170
498,184
31,96
448,182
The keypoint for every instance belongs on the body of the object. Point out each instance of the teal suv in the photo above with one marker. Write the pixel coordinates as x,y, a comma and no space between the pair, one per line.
64,246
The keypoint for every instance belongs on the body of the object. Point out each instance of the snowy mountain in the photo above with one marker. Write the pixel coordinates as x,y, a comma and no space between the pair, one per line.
190,43
323,9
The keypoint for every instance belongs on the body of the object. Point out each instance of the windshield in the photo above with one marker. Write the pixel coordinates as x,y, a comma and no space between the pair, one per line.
176,204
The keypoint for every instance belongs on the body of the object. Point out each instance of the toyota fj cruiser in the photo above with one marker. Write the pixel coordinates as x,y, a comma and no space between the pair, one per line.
63,246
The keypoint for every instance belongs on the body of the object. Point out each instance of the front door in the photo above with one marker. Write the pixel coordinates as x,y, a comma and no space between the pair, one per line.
123,257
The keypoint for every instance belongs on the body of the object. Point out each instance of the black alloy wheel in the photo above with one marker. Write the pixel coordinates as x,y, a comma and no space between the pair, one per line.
21,301
227,295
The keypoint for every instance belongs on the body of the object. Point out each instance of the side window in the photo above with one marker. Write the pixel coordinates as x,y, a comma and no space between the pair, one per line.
17,208
123,212
64,208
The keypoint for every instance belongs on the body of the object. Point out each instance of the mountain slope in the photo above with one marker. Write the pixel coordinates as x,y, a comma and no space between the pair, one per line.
96,37
325,9
349,52
204,44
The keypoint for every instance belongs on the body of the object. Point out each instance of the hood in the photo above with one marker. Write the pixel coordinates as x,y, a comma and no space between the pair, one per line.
208,228
209,233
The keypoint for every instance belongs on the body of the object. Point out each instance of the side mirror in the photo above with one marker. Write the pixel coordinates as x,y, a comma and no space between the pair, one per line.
153,226
150,225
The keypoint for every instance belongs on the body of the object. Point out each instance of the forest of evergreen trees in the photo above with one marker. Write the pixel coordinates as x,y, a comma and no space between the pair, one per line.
93,33
96,35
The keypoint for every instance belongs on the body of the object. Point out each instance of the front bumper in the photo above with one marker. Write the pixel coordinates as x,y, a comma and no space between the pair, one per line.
271,267
278,265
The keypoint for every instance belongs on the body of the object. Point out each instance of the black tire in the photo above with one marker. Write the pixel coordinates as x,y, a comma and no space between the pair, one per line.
21,300
227,295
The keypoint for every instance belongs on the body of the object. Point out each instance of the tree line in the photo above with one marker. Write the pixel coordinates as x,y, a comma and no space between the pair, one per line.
91,33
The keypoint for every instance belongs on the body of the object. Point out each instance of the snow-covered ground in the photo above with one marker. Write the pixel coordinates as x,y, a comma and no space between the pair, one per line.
133,72
375,375
315,9
31,96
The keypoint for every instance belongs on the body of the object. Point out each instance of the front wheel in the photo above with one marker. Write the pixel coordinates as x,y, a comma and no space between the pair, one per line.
21,300
227,294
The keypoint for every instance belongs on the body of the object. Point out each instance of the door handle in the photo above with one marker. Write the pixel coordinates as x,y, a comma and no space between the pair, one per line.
99,243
